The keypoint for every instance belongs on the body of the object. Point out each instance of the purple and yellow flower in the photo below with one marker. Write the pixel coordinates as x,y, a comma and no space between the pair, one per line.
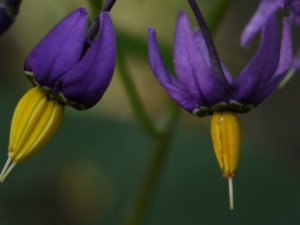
202,91
8,11
266,10
70,68
66,69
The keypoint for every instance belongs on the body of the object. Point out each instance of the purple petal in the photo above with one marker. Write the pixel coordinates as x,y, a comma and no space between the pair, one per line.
286,49
266,9
172,86
285,61
226,73
59,50
200,42
294,7
193,71
296,61
85,83
261,68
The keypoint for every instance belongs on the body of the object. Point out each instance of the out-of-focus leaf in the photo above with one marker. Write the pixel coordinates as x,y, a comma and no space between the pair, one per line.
139,46
96,5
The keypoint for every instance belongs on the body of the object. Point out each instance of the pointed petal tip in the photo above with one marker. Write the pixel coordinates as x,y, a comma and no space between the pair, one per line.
245,40
105,15
151,36
150,29
287,20
81,9
182,16
181,13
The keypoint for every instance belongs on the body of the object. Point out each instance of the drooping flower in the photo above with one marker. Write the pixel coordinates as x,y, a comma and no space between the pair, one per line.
66,69
202,92
266,10
70,68
8,11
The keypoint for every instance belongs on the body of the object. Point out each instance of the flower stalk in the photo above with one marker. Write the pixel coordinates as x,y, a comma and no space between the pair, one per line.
212,51
136,103
94,28
154,171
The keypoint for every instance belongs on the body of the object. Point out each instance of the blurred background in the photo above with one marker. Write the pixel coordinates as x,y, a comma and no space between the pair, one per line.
90,171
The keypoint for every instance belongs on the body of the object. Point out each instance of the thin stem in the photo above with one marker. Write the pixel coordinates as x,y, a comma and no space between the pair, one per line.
212,51
94,28
139,209
133,95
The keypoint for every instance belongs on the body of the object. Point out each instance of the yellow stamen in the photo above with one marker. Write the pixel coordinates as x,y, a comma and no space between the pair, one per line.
226,137
35,121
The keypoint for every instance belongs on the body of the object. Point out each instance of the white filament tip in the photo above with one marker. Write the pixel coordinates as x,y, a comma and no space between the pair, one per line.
230,185
7,168
286,78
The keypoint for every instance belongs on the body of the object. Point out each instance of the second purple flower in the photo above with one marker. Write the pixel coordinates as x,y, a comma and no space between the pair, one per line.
200,90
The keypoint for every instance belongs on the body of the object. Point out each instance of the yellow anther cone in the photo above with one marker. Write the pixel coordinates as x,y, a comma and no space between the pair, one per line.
35,121
226,137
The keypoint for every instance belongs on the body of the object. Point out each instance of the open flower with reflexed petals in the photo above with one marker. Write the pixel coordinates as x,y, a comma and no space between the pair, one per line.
66,69
202,91
266,10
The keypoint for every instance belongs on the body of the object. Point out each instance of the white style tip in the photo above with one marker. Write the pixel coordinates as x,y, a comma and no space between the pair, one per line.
286,78
230,185
9,165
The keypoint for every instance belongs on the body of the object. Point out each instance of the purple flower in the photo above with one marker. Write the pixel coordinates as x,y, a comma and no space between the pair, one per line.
70,68
200,90
8,11
265,11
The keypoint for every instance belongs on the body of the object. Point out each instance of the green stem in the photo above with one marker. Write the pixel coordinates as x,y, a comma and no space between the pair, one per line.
133,95
139,209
